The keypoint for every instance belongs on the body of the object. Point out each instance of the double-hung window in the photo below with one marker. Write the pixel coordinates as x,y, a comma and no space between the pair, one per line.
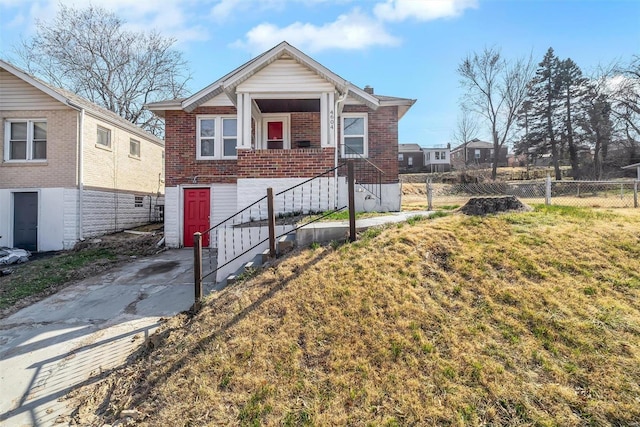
217,137
354,135
25,140
103,137
134,148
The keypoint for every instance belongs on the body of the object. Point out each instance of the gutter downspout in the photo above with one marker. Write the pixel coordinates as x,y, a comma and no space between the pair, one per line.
339,101
80,170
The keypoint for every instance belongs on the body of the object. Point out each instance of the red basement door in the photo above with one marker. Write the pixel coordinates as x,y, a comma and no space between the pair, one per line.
196,214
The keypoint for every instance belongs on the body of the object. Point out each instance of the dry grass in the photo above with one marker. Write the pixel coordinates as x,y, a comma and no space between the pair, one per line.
528,319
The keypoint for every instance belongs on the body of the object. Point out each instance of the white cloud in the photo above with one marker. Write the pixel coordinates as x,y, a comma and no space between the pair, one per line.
421,10
174,18
350,31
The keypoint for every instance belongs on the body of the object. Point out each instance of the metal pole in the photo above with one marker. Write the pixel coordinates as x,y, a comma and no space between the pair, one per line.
197,270
351,182
635,193
547,193
429,195
271,219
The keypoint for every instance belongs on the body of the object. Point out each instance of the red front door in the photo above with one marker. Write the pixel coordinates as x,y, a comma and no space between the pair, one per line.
196,214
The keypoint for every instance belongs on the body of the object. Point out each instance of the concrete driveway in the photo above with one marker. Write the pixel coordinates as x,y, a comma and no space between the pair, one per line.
68,339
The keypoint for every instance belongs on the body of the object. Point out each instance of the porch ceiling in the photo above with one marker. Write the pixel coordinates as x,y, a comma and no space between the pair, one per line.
288,105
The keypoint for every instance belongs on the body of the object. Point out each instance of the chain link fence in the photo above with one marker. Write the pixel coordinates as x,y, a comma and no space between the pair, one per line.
595,194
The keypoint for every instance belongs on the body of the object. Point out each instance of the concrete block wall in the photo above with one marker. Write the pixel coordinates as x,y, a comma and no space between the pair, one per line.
108,212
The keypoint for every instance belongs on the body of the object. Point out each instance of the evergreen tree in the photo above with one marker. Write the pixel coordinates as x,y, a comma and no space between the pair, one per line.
573,92
543,114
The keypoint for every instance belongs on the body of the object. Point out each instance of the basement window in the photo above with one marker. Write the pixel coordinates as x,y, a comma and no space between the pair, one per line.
138,201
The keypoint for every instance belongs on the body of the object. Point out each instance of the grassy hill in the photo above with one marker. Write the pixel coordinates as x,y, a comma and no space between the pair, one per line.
518,319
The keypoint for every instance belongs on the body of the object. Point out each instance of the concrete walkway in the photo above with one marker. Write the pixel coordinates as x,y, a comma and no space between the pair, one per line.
68,339
325,231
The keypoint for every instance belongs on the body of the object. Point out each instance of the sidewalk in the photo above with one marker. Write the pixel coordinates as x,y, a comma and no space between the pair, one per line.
68,339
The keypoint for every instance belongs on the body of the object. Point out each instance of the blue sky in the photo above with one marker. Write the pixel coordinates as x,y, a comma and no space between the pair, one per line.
406,48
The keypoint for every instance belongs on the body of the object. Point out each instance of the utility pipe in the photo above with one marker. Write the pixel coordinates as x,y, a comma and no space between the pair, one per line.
80,170
336,124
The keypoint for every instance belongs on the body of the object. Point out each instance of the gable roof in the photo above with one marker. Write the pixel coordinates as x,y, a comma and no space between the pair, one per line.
406,148
284,50
77,102
474,143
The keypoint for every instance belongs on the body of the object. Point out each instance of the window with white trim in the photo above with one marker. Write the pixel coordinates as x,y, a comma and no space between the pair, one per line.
354,135
104,137
25,140
437,155
400,157
134,148
477,153
217,137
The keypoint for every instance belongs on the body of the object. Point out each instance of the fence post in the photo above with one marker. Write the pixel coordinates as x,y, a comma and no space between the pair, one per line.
351,182
635,193
197,270
547,190
429,195
271,220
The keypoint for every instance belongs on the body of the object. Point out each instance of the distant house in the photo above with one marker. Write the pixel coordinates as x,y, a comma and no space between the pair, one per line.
478,153
437,159
70,169
410,158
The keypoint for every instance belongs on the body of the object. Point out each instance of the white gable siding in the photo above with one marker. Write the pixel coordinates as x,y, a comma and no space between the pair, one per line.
219,101
285,75
16,94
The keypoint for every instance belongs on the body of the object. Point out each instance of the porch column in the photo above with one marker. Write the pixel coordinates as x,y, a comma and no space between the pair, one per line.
244,121
328,119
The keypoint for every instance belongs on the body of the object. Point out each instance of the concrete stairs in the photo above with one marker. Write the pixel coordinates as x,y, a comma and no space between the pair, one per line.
284,245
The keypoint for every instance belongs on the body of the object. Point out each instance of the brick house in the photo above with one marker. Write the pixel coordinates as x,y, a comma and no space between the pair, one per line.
410,158
478,153
275,121
70,169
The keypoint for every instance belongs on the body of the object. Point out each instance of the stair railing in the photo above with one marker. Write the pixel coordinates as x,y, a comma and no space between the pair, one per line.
243,232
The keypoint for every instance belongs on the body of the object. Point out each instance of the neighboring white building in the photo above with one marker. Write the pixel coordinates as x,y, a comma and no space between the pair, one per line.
70,169
437,159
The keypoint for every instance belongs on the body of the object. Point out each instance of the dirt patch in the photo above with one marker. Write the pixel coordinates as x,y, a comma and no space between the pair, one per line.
489,205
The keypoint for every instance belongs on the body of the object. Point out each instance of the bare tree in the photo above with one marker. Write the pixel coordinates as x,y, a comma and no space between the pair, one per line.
466,128
89,52
495,89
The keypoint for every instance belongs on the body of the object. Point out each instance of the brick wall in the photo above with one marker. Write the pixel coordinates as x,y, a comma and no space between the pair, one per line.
383,139
305,127
60,169
295,163
180,145
113,167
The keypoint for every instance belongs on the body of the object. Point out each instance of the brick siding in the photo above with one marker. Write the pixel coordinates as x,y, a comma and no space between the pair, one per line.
295,163
383,139
305,127
181,164
180,145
